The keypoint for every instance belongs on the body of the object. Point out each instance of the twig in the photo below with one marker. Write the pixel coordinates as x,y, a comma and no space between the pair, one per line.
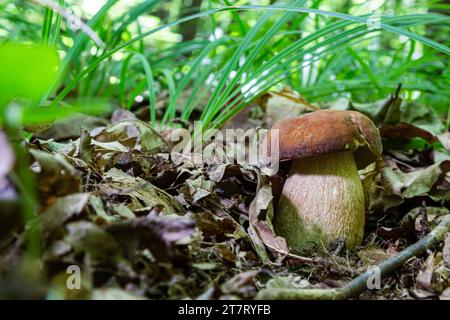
358,284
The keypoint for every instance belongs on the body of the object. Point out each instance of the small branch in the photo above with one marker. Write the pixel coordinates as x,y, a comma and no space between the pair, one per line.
358,284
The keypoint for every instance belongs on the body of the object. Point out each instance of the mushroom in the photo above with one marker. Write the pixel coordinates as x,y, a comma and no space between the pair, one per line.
323,199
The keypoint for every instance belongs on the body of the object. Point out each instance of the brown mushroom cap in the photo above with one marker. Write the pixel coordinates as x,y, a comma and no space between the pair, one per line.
329,131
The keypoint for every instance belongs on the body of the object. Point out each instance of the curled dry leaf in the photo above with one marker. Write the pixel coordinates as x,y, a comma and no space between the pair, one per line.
199,188
99,248
445,140
149,141
393,186
56,176
61,211
216,223
261,230
283,104
165,236
404,131
69,128
122,114
434,277
241,284
140,193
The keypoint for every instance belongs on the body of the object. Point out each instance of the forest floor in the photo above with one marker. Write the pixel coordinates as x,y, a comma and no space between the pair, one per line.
140,224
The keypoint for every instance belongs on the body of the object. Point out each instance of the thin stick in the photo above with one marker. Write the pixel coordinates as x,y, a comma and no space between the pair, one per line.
358,284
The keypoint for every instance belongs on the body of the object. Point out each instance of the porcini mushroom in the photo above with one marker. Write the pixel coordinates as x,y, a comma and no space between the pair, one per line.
322,198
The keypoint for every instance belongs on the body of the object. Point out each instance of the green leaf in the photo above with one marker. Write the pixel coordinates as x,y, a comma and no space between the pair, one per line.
26,71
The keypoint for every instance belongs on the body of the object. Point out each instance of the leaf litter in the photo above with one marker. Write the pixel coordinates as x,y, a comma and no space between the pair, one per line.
142,225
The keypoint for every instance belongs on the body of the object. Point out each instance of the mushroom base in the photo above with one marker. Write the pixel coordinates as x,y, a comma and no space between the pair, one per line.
322,201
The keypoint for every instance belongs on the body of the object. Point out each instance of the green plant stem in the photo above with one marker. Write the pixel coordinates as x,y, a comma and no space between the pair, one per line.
358,284
56,28
47,25
150,82
24,180
448,119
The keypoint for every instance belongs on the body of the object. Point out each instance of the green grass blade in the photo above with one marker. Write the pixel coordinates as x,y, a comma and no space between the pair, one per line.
47,25
149,78
359,20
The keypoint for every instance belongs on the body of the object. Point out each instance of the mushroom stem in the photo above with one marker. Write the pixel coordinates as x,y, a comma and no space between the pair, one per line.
322,201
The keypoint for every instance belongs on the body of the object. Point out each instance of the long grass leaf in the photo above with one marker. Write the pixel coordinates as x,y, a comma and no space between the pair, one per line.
360,20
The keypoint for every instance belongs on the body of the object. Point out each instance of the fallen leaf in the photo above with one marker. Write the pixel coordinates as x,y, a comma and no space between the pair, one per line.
122,114
261,230
211,224
422,116
57,177
241,284
445,295
141,193
61,211
165,236
283,104
372,255
445,140
102,217
69,128
417,182
149,141
433,277
446,251
109,146
404,131
99,248
199,188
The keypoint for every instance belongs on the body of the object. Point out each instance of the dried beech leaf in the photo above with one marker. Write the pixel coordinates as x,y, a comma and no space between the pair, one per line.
261,230
283,104
63,210
165,236
141,193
